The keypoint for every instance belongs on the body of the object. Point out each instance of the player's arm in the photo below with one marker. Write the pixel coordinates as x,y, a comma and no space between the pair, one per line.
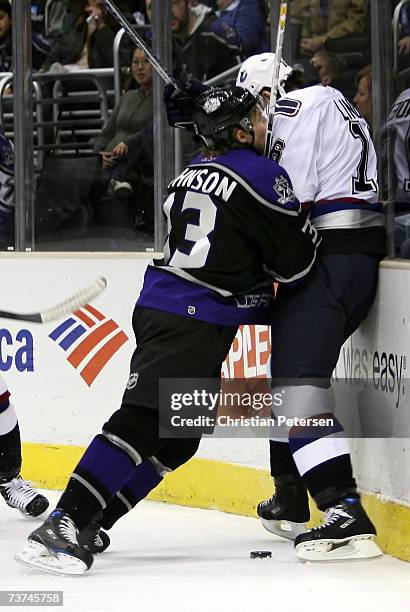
179,102
288,240
289,245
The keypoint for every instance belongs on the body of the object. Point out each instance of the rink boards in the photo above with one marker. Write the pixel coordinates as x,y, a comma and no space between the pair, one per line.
67,377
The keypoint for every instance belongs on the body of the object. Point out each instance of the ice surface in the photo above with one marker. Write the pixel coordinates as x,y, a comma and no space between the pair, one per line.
167,558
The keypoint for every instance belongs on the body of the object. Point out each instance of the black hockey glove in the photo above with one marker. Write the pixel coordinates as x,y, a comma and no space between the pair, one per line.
180,102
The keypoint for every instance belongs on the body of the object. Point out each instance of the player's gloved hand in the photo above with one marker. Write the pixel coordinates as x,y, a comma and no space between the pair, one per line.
179,102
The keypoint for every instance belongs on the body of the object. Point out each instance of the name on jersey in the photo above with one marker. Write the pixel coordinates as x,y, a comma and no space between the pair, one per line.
400,110
205,181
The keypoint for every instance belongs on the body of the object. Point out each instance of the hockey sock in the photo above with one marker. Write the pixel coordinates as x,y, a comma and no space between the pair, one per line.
323,459
281,459
10,455
10,444
144,478
100,474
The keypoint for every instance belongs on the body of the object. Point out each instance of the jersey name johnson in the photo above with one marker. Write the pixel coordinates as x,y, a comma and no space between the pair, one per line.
206,181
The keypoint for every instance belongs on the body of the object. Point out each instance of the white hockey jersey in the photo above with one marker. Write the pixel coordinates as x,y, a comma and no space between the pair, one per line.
398,124
325,145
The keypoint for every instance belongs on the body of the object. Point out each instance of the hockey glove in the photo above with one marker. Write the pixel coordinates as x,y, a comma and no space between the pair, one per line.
180,102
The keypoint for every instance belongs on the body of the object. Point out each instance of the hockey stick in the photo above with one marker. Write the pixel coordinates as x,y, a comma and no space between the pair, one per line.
275,74
64,308
138,41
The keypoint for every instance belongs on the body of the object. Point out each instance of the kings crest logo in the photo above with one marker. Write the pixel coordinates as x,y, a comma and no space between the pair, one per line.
282,188
211,105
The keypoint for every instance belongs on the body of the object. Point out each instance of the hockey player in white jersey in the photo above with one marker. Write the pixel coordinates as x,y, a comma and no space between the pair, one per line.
325,145
398,127
17,492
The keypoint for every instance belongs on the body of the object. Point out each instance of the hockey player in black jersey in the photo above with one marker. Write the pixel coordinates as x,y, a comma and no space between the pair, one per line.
234,226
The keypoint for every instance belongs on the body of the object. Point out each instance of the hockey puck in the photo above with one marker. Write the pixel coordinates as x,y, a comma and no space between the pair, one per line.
260,554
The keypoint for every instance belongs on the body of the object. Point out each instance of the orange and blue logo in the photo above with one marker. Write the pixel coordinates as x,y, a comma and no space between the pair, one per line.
89,340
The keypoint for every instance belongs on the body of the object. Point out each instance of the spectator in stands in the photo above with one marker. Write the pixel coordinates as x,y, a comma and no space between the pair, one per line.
5,36
248,19
7,201
40,46
404,38
397,133
47,19
329,67
203,45
86,39
363,97
325,21
125,143
404,27
332,71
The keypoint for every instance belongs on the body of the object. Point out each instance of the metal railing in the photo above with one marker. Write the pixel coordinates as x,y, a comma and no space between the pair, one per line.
52,130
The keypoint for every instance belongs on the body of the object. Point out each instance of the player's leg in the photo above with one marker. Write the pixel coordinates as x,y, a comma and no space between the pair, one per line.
313,325
130,435
146,476
17,492
285,513
323,457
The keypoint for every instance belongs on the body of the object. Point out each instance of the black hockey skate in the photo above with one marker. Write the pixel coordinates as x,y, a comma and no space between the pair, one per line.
346,533
94,539
54,547
19,494
287,511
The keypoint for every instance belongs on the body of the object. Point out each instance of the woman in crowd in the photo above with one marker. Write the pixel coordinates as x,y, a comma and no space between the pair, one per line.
86,39
125,144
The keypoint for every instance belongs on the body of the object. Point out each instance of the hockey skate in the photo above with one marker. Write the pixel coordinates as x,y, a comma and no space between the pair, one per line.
346,533
54,547
94,539
19,494
287,511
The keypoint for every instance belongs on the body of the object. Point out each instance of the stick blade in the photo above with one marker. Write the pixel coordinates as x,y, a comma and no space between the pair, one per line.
79,299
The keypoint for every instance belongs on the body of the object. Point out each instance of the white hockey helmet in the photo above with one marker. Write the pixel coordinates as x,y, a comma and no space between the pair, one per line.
256,72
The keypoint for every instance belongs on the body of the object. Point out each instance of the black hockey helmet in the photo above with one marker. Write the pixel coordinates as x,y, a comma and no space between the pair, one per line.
219,110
